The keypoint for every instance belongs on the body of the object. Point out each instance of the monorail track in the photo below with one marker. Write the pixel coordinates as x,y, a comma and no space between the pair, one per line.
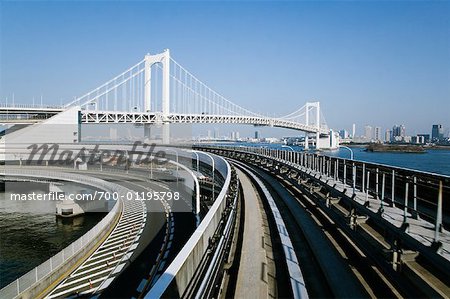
332,262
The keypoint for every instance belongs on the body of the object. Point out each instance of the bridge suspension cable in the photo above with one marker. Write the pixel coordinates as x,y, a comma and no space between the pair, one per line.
160,85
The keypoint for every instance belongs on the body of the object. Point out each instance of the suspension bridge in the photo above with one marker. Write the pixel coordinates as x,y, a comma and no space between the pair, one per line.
158,90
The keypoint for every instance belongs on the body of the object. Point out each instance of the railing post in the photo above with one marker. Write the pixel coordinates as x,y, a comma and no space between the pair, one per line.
393,188
345,173
415,213
383,181
363,176
353,177
405,208
438,226
366,203
18,287
336,169
376,184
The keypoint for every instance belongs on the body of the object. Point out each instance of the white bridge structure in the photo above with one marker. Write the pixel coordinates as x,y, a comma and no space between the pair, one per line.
158,90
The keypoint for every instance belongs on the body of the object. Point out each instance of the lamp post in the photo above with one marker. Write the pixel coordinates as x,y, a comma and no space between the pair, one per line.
290,147
176,155
351,151
198,161
213,170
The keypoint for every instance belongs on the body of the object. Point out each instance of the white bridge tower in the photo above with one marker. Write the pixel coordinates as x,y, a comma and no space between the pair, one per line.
150,60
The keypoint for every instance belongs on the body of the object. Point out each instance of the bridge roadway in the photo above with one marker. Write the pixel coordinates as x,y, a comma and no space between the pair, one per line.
134,237
157,245
162,242
333,253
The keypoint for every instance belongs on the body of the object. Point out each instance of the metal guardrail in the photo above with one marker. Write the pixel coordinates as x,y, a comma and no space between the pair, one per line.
223,233
182,269
32,106
40,272
423,194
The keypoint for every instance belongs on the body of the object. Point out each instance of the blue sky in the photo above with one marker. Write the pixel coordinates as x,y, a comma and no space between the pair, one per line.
368,62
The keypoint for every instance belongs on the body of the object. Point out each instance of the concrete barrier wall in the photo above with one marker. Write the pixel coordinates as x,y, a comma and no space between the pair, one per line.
33,283
183,267
37,289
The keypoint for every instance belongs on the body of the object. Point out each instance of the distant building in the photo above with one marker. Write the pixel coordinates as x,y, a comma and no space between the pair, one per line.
437,132
368,132
418,139
271,140
426,137
398,131
233,135
377,134
343,134
406,139
353,130
388,135
256,134
238,136
216,133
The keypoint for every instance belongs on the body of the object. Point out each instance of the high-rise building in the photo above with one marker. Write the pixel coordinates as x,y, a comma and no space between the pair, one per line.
437,132
398,131
418,139
377,135
388,136
343,134
368,132
353,130
256,134
426,137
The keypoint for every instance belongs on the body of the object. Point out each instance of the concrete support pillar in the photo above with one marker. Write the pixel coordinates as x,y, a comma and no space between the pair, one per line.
147,131
166,133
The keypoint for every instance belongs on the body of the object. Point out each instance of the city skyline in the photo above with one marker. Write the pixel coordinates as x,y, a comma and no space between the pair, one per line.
355,58
361,130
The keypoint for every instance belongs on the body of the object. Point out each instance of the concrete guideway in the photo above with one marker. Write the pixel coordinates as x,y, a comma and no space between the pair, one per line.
297,282
252,275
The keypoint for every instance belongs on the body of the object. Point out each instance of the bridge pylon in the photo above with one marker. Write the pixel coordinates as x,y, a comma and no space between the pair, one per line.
308,106
164,59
